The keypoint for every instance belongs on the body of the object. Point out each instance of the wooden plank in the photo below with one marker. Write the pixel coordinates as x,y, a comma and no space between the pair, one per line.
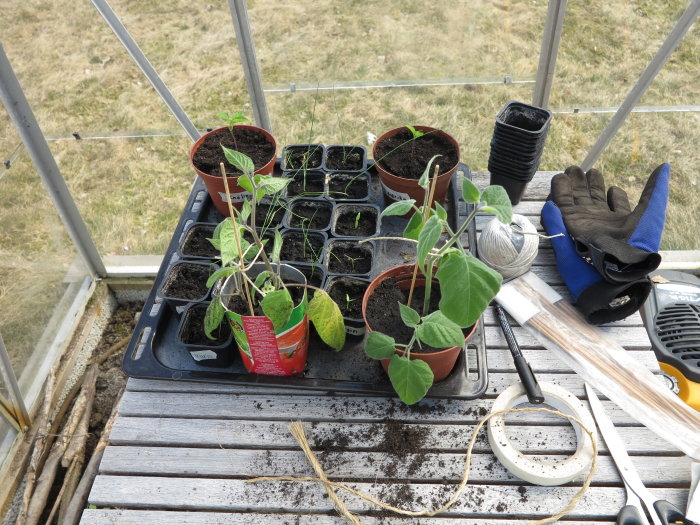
231,495
212,433
141,517
322,408
537,188
375,466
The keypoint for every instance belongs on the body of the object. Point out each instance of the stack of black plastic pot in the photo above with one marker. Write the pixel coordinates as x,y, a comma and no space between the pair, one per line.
517,145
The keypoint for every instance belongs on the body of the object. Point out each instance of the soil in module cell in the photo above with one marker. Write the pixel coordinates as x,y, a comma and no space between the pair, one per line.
349,258
314,276
187,281
342,186
302,246
303,157
347,293
196,242
356,221
407,157
306,183
254,144
310,215
269,214
345,158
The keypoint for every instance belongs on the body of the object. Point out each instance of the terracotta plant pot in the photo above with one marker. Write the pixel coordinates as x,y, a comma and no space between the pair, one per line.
215,183
442,362
400,188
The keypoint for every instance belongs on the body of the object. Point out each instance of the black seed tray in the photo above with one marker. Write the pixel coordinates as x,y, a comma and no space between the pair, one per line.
155,353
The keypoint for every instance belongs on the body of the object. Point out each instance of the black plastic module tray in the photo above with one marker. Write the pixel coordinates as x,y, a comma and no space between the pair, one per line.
154,352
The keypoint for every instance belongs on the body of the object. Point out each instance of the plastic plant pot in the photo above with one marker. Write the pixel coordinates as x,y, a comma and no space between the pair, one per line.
301,246
309,214
216,353
349,187
208,169
346,257
185,282
195,243
349,159
270,213
306,184
358,221
303,156
347,293
523,119
515,188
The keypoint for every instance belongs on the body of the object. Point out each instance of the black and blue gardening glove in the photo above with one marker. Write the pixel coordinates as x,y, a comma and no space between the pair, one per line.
622,244
599,300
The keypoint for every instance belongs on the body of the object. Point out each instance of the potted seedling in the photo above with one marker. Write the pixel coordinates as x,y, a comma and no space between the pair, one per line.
265,301
346,158
303,157
417,315
352,220
401,155
207,154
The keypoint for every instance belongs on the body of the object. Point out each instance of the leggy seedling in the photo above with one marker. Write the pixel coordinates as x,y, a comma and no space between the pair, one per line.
467,285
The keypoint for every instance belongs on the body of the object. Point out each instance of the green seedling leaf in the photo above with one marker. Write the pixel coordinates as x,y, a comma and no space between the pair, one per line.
428,238
245,183
467,286
277,306
470,192
213,317
411,378
261,278
416,134
240,160
327,319
498,203
398,208
380,346
269,185
228,246
438,331
440,211
216,243
221,272
424,180
408,315
233,118
414,227
276,247
245,211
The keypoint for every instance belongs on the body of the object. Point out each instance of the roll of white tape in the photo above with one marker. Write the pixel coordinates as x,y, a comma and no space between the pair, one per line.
540,472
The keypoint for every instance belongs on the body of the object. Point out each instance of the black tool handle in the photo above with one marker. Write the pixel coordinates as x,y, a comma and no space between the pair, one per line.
527,377
668,513
629,515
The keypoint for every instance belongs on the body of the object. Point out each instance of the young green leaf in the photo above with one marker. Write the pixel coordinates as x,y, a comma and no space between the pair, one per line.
269,185
245,211
440,211
245,183
327,319
216,243
408,315
228,246
261,278
414,227
411,378
398,208
213,317
380,346
218,274
240,160
438,331
416,134
424,180
470,192
498,203
467,286
277,306
428,238
276,247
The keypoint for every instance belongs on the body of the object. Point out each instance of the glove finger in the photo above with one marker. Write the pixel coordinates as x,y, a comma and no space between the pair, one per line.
618,200
579,185
650,213
560,190
596,185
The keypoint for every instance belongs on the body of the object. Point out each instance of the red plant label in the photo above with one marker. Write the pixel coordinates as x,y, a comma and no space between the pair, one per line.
263,346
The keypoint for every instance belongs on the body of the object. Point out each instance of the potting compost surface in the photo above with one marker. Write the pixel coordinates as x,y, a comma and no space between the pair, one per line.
154,351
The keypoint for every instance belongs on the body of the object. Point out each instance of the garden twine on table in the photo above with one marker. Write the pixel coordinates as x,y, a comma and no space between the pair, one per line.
298,432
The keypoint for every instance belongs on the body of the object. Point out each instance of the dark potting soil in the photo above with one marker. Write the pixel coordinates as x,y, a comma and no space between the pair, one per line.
347,294
254,144
314,277
407,157
383,311
348,258
306,183
303,157
192,332
187,281
197,243
302,248
267,237
269,215
341,186
310,215
344,158
356,221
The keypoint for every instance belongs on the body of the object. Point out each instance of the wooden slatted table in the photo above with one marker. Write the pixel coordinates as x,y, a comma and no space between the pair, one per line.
180,453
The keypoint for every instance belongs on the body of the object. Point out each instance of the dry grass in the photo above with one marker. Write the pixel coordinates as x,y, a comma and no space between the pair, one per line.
77,77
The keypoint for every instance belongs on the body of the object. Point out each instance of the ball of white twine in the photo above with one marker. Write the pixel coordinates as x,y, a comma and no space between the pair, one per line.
506,250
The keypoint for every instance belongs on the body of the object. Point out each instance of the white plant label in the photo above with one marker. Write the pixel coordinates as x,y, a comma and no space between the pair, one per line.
354,331
201,355
235,197
395,195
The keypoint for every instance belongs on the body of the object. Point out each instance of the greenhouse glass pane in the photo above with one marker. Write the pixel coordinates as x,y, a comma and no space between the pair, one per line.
341,43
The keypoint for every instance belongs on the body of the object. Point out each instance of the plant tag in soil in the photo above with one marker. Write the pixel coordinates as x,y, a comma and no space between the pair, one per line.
201,355
235,197
395,195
